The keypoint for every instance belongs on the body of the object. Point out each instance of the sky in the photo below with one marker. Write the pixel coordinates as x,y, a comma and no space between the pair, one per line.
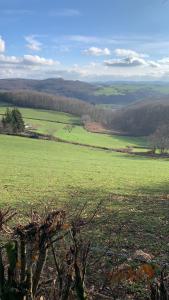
89,40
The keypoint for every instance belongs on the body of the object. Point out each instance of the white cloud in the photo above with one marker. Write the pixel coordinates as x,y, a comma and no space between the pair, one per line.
128,53
2,45
27,60
97,51
153,64
37,60
33,44
126,62
68,12
27,66
164,61
82,38
130,58
9,59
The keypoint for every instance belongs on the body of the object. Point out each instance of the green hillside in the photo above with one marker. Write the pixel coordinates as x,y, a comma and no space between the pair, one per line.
37,167
134,189
68,128
34,170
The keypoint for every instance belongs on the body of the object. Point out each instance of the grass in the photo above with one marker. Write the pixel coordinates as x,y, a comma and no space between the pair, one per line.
34,169
135,189
65,126
80,135
48,115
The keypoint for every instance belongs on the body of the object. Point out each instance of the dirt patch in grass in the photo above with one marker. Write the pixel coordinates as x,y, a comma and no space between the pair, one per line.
96,127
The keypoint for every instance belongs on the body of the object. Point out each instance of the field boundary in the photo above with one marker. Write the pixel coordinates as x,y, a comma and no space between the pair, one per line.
36,135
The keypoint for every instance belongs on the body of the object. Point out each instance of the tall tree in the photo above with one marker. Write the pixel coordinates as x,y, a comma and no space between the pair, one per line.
12,121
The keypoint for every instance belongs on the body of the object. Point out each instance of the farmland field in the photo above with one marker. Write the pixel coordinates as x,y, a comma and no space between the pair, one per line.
122,89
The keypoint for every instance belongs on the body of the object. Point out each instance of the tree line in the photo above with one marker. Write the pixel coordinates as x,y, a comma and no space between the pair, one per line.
58,103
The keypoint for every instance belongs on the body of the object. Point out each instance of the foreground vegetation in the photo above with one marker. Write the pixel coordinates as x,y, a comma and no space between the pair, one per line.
53,256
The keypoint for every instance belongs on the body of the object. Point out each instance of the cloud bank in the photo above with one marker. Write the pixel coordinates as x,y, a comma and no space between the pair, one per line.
123,64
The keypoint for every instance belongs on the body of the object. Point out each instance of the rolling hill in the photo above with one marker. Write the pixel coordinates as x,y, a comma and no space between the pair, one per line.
115,93
58,86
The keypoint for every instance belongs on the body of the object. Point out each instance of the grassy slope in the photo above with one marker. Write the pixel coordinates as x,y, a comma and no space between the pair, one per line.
34,169
135,189
47,115
46,122
80,135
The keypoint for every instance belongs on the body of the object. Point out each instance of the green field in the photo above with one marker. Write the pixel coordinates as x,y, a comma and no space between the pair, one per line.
33,170
46,168
135,189
65,126
123,89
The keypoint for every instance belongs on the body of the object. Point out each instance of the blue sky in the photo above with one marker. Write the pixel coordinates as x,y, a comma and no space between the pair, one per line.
85,39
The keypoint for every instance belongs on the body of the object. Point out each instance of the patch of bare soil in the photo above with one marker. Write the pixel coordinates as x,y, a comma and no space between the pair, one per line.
99,128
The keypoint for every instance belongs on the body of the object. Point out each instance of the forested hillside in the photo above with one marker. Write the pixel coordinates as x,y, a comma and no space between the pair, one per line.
32,99
142,118
59,86
102,93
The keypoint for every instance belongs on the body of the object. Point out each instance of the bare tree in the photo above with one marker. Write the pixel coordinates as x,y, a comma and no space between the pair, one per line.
159,140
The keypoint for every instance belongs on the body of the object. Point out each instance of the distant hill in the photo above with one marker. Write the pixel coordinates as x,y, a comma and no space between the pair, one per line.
60,87
103,93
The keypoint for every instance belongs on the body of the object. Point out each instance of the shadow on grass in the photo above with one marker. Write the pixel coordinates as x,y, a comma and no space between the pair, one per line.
72,121
159,189
121,223
142,156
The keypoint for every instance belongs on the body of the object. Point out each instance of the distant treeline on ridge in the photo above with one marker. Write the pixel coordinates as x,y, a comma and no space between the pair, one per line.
138,119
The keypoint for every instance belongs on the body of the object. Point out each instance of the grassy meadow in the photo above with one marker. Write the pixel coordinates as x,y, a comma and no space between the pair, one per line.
35,169
135,189
68,128
47,168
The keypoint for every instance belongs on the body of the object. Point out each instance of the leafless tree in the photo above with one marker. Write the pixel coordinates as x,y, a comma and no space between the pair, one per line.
159,140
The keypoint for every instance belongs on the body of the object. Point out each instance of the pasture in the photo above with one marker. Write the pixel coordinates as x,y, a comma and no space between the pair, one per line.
69,128
134,189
